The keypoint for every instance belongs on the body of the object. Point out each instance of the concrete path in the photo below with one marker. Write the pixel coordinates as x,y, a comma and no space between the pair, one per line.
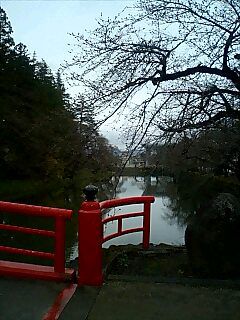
81,304
25,299
119,300
32,299
152,301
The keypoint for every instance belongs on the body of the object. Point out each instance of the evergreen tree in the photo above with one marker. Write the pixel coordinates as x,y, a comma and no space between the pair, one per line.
41,136
85,115
6,40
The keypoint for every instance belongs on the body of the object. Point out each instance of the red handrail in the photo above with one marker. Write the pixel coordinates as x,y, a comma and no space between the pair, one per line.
146,200
34,210
60,216
125,201
8,227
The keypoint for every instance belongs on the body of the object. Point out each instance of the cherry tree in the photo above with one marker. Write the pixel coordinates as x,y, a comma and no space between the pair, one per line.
170,66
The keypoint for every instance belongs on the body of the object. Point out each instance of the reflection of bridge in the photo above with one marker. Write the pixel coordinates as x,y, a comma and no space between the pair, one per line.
156,186
146,171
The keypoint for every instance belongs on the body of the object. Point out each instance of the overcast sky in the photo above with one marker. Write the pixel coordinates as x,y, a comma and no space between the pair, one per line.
43,26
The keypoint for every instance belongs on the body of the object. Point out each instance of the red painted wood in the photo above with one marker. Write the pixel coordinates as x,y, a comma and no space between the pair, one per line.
90,239
60,303
123,232
60,216
34,210
32,271
90,236
47,233
119,226
125,201
146,201
25,252
59,262
123,216
146,225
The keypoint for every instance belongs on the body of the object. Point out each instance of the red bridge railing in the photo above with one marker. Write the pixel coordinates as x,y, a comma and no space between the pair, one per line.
58,271
90,232
145,228
90,237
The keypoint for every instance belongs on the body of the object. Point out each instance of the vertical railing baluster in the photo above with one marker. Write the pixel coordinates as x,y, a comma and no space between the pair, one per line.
59,261
119,226
146,225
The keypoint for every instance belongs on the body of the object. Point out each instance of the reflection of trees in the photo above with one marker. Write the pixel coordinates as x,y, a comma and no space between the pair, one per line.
166,189
184,196
109,188
177,212
180,207
119,187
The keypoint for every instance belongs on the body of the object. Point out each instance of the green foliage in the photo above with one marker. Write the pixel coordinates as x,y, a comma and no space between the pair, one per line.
43,138
18,189
6,39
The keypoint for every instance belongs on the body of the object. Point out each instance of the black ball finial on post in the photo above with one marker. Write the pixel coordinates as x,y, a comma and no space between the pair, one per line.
90,192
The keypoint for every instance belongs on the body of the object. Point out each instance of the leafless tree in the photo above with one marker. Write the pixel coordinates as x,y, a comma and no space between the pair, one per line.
171,66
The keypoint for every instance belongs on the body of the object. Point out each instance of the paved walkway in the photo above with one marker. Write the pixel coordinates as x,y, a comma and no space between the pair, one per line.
25,299
151,301
31,300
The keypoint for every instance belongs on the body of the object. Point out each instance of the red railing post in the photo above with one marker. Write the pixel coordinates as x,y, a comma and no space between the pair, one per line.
90,237
146,225
59,259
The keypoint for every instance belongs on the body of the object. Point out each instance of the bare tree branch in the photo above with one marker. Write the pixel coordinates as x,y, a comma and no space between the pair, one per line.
184,52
